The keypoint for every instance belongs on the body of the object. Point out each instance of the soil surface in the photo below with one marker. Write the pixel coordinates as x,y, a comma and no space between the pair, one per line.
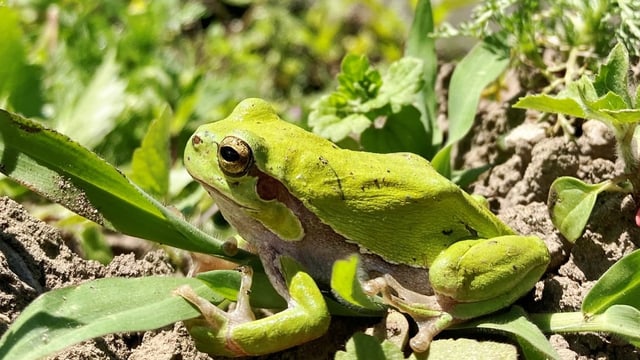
34,257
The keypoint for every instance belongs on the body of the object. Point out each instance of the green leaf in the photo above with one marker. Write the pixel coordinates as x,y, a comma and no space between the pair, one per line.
357,79
620,285
546,103
361,347
482,65
12,52
465,177
400,84
346,285
613,75
570,203
622,320
363,96
150,163
334,128
630,116
442,161
421,45
78,179
609,101
63,317
514,322
402,131
94,113
26,95
94,245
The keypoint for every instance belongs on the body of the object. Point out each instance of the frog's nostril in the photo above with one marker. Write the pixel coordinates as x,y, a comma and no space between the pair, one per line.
196,140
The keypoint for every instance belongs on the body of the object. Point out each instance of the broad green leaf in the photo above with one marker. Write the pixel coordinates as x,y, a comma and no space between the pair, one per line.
346,284
26,94
620,285
94,113
402,131
570,203
622,320
67,173
613,75
150,163
546,103
421,45
12,52
63,317
514,322
482,65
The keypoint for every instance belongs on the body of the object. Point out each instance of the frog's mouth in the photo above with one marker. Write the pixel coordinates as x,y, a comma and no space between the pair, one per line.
221,197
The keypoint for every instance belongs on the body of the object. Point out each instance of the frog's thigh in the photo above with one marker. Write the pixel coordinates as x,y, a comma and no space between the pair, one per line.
485,269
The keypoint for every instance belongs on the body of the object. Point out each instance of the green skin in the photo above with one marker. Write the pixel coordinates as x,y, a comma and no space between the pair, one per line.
424,246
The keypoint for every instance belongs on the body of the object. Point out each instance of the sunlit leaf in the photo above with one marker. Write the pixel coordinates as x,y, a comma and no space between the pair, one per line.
619,285
514,322
150,164
63,317
482,65
570,203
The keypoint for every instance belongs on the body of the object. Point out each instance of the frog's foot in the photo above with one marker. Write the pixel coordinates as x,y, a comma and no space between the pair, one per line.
425,310
238,333
219,321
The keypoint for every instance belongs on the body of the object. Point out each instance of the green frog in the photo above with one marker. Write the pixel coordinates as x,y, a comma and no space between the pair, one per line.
422,245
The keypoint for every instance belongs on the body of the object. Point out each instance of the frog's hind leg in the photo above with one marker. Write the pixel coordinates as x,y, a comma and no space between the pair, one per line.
425,310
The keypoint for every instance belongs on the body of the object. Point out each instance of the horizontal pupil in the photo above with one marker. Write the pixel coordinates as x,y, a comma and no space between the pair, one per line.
229,154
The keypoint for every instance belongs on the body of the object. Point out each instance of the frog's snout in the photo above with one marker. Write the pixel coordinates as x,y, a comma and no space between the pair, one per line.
202,139
196,140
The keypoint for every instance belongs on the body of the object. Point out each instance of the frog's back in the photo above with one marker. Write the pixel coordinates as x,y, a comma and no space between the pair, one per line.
393,204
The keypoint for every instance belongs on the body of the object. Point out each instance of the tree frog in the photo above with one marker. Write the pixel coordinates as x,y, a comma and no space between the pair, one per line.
424,246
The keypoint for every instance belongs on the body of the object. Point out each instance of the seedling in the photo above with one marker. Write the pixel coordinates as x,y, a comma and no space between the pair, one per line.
606,98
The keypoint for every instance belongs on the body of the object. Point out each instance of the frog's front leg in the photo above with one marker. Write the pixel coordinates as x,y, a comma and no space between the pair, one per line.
237,333
471,278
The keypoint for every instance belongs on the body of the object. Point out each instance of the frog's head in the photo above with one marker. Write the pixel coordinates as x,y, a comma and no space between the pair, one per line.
240,161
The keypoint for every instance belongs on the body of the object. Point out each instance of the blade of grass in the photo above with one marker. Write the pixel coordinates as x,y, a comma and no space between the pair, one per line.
63,171
63,317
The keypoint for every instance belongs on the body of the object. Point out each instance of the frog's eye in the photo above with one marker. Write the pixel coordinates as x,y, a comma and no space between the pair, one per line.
234,156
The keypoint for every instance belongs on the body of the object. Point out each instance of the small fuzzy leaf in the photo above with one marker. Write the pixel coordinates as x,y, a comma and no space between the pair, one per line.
613,75
334,128
546,103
